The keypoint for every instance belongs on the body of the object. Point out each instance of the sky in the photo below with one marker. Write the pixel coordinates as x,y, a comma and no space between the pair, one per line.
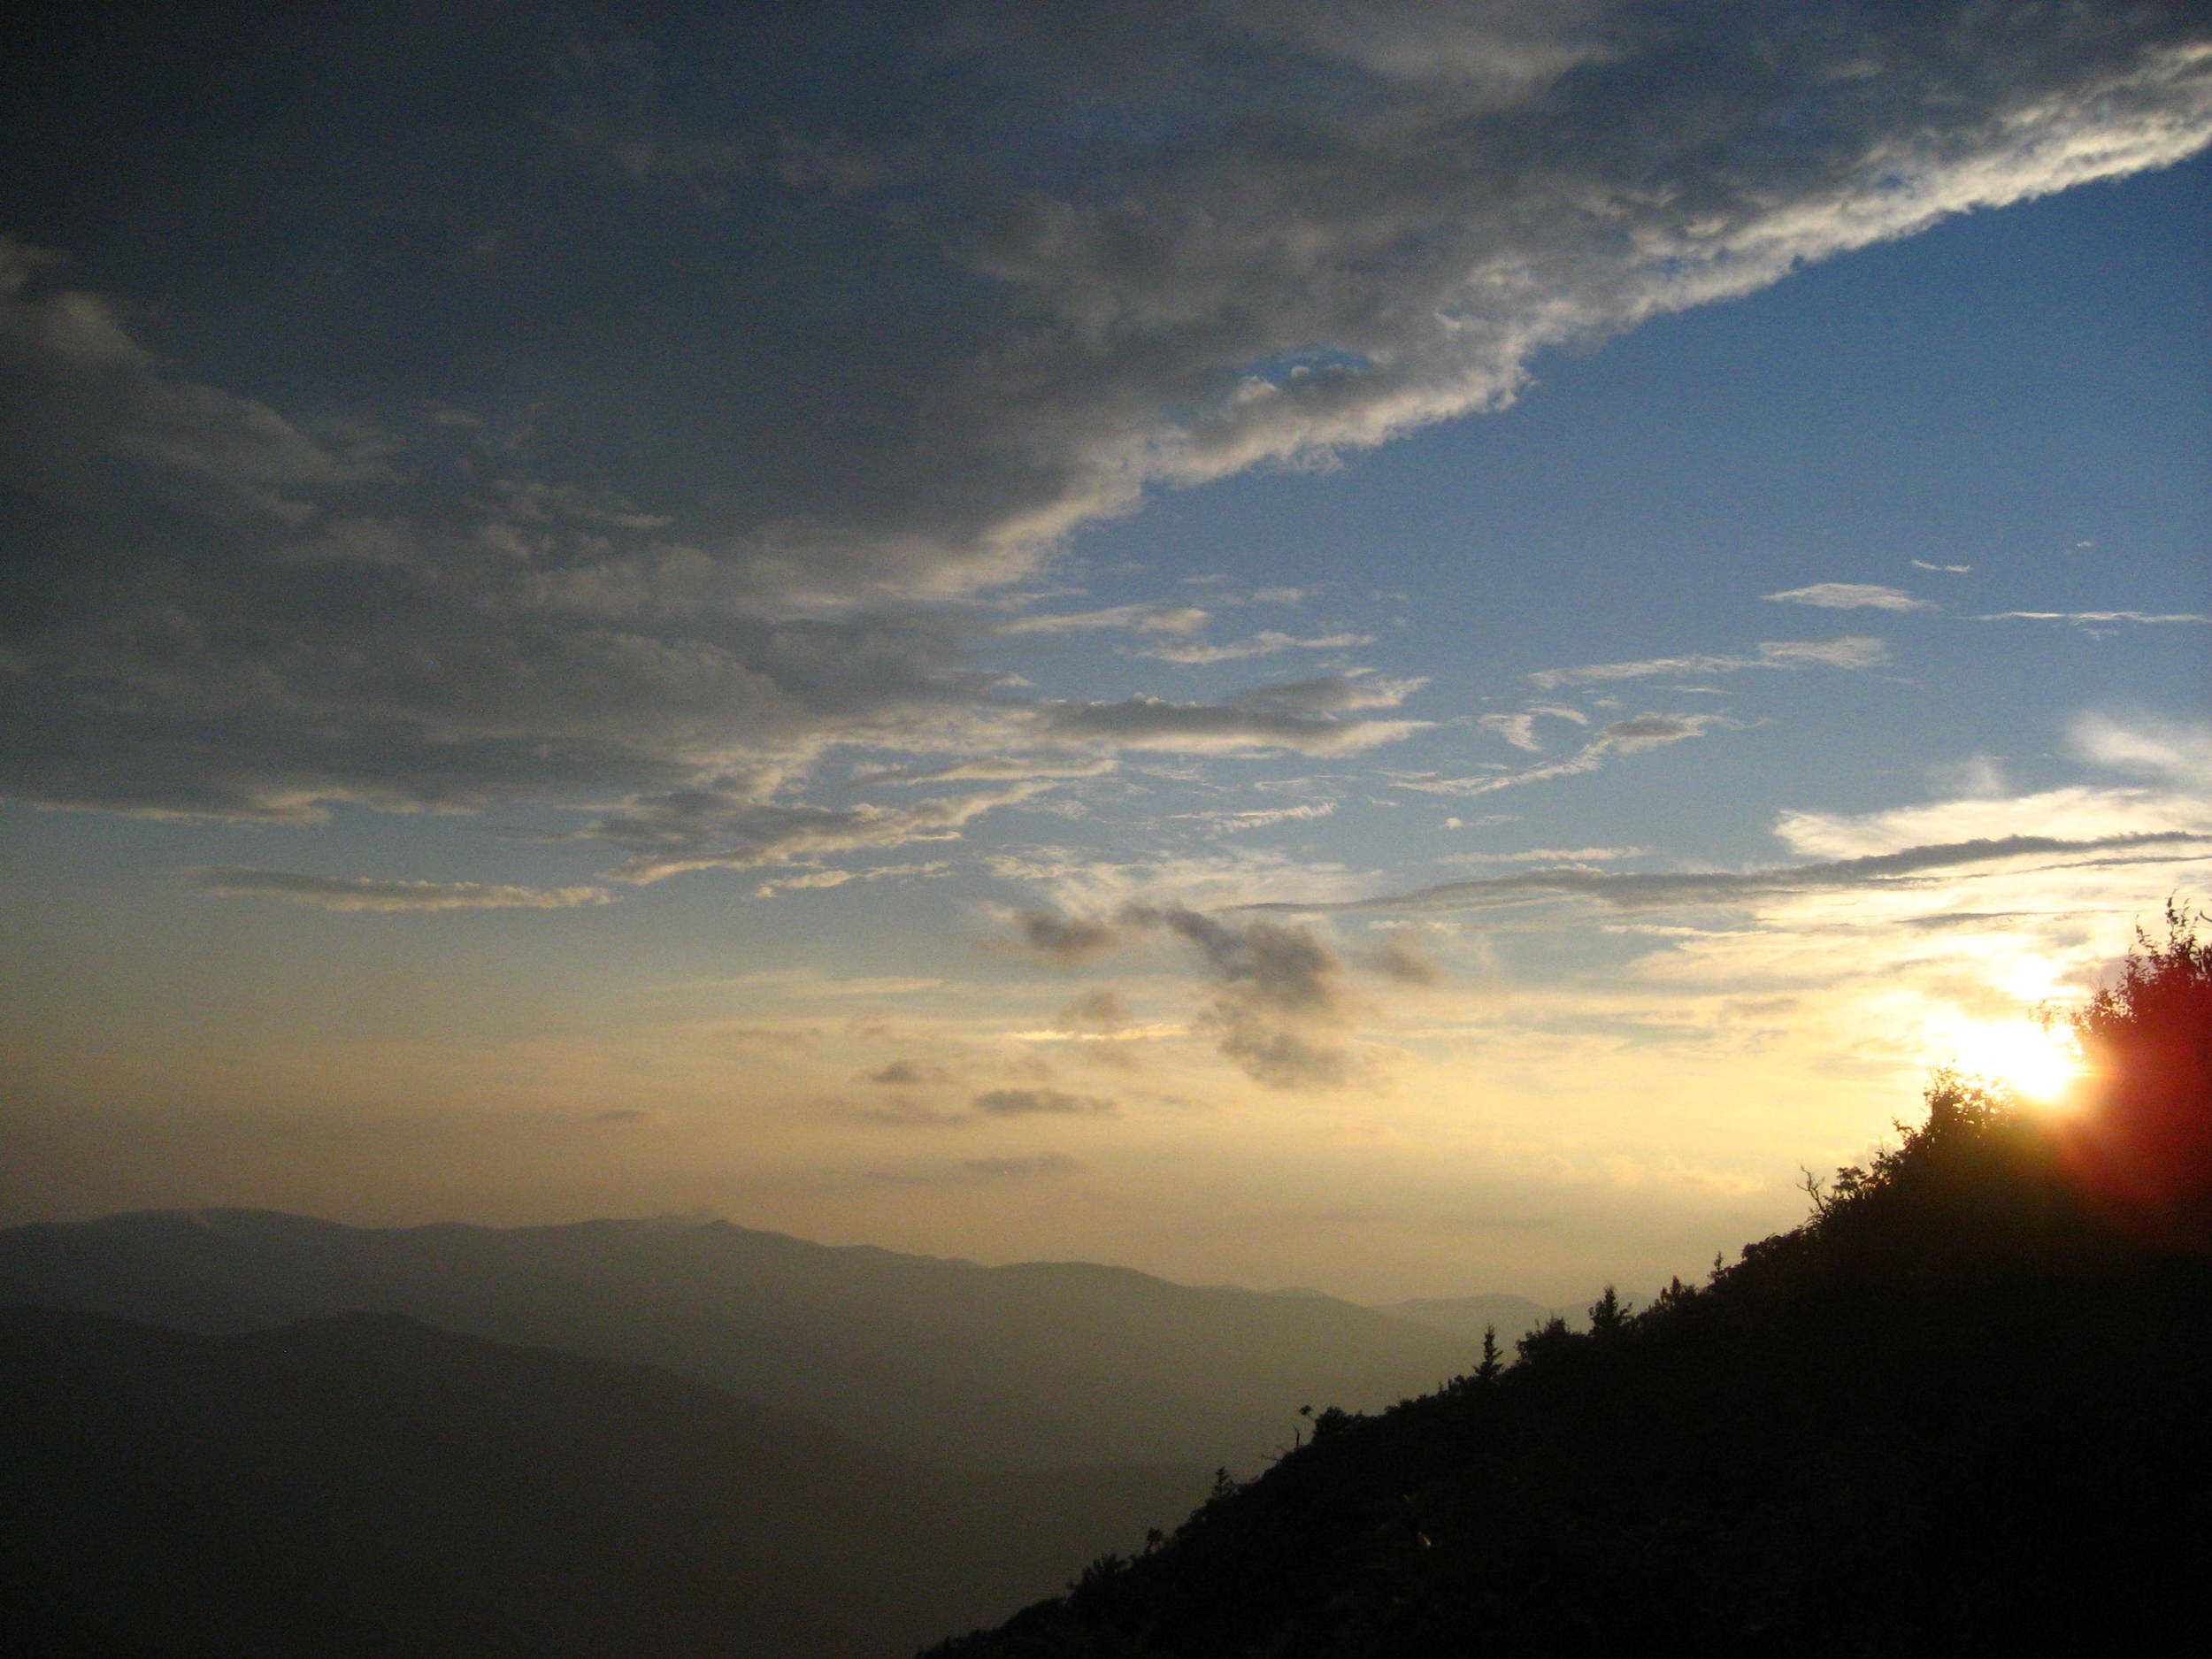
1407,648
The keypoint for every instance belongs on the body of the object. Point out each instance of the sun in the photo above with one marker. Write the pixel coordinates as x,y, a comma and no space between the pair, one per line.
2032,1060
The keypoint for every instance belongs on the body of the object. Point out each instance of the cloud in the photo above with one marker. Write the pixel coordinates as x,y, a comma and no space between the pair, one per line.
1063,764
1947,570
1281,1010
908,1074
1848,651
1851,596
1066,938
2092,616
969,1172
1401,956
1557,854
1517,729
1263,817
2177,752
1266,642
350,893
1329,693
849,346
709,829
1632,736
1148,619
1197,728
1031,1102
1095,1011
1663,890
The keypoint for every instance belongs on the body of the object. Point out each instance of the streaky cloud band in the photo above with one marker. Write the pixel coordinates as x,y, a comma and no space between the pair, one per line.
1655,890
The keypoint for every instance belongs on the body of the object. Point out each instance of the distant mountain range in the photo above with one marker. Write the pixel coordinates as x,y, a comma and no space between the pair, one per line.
1035,1366
368,1486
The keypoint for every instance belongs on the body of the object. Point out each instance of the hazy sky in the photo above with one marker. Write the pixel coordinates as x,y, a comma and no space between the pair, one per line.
1407,647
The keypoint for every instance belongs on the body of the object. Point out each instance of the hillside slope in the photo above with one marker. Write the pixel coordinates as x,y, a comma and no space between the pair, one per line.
1035,1366
368,1486
1967,1407
1906,1427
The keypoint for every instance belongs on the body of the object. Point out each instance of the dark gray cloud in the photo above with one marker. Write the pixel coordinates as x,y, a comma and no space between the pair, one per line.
600,406
1033,1102
1281,1010
908,1074
971,1172
1094,1010
1066,938
1400,956
347,893
1279,1007
1659,890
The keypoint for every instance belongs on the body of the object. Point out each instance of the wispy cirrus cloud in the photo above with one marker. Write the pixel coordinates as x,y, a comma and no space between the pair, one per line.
1266,642
360,892
1143,618
1306,716
1632,736
2094,616
1657,890
1848,651
711,829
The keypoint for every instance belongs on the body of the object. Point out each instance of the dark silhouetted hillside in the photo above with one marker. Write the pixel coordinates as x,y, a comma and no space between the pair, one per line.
367,1484
1034,1366
1467,1318
1965,1408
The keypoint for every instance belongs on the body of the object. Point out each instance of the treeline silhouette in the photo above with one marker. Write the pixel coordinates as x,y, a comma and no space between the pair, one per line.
1966,1406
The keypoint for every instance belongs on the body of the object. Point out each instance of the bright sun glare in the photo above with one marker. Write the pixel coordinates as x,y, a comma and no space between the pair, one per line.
2034,1063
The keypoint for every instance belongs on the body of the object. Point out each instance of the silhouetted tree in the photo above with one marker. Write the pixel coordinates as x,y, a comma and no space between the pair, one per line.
2145,1145
1492,1363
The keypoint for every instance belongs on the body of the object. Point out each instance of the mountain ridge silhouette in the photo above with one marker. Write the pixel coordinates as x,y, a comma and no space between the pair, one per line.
1030,1365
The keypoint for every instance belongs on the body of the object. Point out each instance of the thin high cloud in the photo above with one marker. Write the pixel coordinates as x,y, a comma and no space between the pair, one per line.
1850,596
1143,618
723,829
1307,716
1666,890
355,893
1266,642
843,347
2094,616
1520,729
1847,651
1632,736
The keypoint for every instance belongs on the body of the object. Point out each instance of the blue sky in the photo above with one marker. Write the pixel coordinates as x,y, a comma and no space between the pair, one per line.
1413,650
